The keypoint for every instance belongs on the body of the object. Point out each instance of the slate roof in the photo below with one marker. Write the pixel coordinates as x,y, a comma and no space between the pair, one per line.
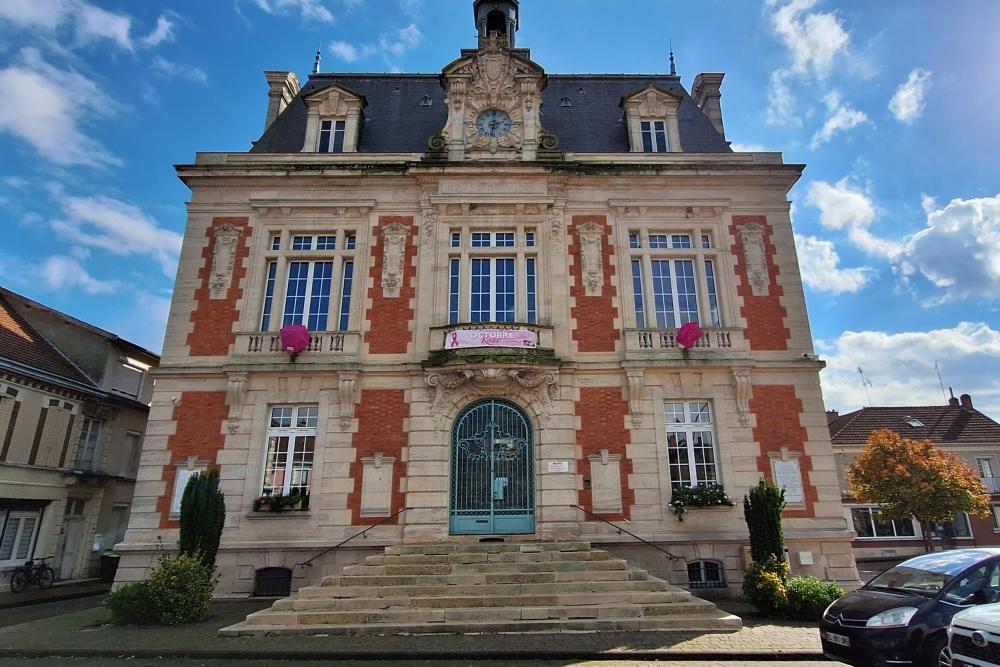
21,344
941,424
395,122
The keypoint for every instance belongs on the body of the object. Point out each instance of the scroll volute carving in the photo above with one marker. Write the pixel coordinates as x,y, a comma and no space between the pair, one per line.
393,258
755,258
225,242
742,378
591,237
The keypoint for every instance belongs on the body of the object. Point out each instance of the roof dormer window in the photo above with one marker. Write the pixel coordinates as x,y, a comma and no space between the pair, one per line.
331,136
651,114
654,136
913,421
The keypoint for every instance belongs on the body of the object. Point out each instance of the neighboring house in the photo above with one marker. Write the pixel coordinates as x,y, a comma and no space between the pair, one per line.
73,407
957,427
493,265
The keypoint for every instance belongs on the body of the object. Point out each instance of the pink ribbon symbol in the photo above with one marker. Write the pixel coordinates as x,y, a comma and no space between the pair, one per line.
454,339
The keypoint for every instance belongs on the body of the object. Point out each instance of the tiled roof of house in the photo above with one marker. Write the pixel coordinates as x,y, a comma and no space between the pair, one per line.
591,120
21,344
939,423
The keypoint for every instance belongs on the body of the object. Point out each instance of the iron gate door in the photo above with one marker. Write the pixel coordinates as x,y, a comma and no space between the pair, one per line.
492,481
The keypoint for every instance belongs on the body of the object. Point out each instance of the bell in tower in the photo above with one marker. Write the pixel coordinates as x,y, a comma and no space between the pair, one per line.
498,17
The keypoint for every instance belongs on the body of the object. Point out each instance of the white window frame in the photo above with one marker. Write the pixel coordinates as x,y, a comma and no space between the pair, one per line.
693,423
19,536
521,252
655,127
872,510
308,416
336,126
708,317
984,469
89,441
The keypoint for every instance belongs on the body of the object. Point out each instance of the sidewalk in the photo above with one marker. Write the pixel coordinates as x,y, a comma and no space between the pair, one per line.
85,634
62,590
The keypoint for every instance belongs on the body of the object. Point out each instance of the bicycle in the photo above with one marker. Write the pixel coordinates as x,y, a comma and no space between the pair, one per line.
33,572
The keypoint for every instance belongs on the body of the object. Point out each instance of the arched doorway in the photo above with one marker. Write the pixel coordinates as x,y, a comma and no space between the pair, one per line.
492,471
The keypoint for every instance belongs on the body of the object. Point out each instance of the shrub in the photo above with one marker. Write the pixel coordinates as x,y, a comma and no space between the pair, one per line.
706,495
808,597
180,589
762,511
764,586
203,512
130,605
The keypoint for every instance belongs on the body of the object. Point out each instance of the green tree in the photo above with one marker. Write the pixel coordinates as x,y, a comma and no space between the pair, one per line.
203,513
911,478
762,511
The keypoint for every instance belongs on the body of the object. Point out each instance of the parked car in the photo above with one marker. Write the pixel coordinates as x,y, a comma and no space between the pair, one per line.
901,616
974,637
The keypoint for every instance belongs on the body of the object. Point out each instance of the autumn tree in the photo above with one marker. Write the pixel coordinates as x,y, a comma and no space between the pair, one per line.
910,478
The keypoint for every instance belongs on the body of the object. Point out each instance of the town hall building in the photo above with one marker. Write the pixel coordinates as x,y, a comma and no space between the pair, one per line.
452,307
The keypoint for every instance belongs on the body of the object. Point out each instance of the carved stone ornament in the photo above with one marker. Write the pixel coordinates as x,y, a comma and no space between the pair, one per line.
428,228
592,257
236,392
634,381
742,377
755,258
346,393
538,387
393,257
226,239
493,209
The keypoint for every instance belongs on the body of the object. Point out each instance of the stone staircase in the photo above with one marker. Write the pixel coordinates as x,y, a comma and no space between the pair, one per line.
488,587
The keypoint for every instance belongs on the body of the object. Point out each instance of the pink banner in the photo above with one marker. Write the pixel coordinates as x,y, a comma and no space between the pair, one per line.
459,338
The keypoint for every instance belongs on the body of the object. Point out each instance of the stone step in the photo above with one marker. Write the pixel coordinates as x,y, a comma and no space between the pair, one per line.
482,577
483,557
566,587
486,547
473,568
716,622
680,599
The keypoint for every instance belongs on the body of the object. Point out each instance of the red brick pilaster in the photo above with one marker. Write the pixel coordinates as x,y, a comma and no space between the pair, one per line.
778,425
391,319
199,417
595,329
764,314
602,413
381,428
213,319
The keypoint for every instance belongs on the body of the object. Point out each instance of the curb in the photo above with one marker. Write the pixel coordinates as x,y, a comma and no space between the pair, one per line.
438,656
54,598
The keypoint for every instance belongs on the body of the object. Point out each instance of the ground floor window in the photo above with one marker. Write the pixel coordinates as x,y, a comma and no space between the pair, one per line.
291,443
691,444
705,574
868,524
17,541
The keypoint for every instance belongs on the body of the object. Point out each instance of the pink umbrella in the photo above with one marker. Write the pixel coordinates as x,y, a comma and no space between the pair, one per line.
294,338
689,335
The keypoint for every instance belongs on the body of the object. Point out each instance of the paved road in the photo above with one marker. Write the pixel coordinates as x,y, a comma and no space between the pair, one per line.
89,662
46,609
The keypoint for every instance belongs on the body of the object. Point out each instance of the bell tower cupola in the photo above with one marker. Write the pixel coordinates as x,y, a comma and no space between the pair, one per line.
497,16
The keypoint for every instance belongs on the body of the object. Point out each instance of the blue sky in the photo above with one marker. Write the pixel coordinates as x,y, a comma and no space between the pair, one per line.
892,107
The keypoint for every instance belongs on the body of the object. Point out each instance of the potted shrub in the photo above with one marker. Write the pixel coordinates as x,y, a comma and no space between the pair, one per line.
262,504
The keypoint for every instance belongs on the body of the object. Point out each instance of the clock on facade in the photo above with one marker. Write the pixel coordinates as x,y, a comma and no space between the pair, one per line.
494,123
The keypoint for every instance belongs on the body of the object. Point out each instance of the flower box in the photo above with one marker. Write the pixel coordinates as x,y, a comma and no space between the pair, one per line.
702,496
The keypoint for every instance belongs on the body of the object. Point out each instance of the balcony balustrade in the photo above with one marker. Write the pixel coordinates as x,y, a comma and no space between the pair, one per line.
324,347
652,344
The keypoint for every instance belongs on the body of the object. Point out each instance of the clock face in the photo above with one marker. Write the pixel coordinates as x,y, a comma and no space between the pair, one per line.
493,123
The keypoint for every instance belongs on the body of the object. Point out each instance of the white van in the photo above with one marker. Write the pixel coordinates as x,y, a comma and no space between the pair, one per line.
974,637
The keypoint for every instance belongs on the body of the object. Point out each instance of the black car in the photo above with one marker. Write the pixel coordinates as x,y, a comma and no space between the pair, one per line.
901,616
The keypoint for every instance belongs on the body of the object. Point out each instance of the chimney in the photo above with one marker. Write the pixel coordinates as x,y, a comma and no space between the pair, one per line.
284,86
952,402
966,401
707,94
831,415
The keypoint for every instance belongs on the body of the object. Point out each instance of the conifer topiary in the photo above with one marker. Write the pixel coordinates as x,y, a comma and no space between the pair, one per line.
762,511
203,513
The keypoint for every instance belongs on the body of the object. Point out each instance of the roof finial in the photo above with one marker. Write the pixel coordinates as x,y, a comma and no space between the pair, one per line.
673,67
316,62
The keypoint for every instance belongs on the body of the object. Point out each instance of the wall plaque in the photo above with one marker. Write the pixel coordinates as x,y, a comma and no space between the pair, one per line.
788,477
558,466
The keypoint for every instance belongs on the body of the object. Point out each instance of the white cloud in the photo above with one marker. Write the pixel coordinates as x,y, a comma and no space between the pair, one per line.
15,182
907,105
400,41
959,249
88,22
900,367
841,118
844,207
171,69
44,106
119,228
820,267
747,148
313,10
813,39
146,322
350,52
65,273
780,100
163,32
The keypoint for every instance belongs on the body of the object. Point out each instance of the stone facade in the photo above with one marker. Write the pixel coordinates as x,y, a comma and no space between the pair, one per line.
387,390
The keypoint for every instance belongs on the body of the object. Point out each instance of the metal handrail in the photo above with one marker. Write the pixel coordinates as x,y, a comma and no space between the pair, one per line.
621,530
308,563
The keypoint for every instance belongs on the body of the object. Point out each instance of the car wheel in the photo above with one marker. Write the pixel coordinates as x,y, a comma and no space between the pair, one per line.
945,659
934,652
